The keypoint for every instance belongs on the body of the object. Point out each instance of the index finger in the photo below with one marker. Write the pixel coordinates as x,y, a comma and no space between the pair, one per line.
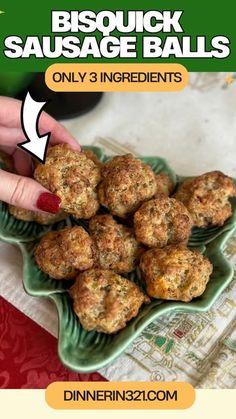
59,133
10,117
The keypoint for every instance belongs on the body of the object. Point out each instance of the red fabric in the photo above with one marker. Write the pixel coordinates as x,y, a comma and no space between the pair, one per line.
28,353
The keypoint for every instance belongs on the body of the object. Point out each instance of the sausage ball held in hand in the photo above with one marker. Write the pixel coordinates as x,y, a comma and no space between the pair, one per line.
62,254
162,221
115,244
105,301
73,177
126,183
207,198
16,186
175,273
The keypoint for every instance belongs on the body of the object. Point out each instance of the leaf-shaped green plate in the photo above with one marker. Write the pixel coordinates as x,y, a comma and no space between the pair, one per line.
88,351
14,230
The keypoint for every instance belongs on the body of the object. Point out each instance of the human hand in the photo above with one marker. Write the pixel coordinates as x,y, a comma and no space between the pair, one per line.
19,189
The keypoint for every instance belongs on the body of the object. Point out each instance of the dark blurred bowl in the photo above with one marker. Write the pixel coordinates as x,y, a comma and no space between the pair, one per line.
61,105
12,83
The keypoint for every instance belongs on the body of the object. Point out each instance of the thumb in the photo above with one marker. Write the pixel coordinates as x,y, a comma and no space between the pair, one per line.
26,193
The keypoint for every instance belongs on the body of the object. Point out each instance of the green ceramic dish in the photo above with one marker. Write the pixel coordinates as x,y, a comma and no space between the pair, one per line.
84,351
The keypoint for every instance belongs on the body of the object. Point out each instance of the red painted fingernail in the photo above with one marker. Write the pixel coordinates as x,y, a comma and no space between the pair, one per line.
48,202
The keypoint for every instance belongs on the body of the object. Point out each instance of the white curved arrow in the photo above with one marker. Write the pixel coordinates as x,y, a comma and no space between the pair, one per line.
35,144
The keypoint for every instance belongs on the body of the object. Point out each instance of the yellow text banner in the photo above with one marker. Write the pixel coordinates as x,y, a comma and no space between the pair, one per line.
116,77
120,395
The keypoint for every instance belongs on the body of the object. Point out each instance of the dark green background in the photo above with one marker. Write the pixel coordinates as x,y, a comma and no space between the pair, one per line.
200,17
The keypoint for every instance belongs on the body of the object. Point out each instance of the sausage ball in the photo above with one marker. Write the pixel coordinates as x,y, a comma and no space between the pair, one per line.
162,221
164,185
92,156
105,301
115,244
73,177
62,254
39,217
175,273
126,183
207,198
